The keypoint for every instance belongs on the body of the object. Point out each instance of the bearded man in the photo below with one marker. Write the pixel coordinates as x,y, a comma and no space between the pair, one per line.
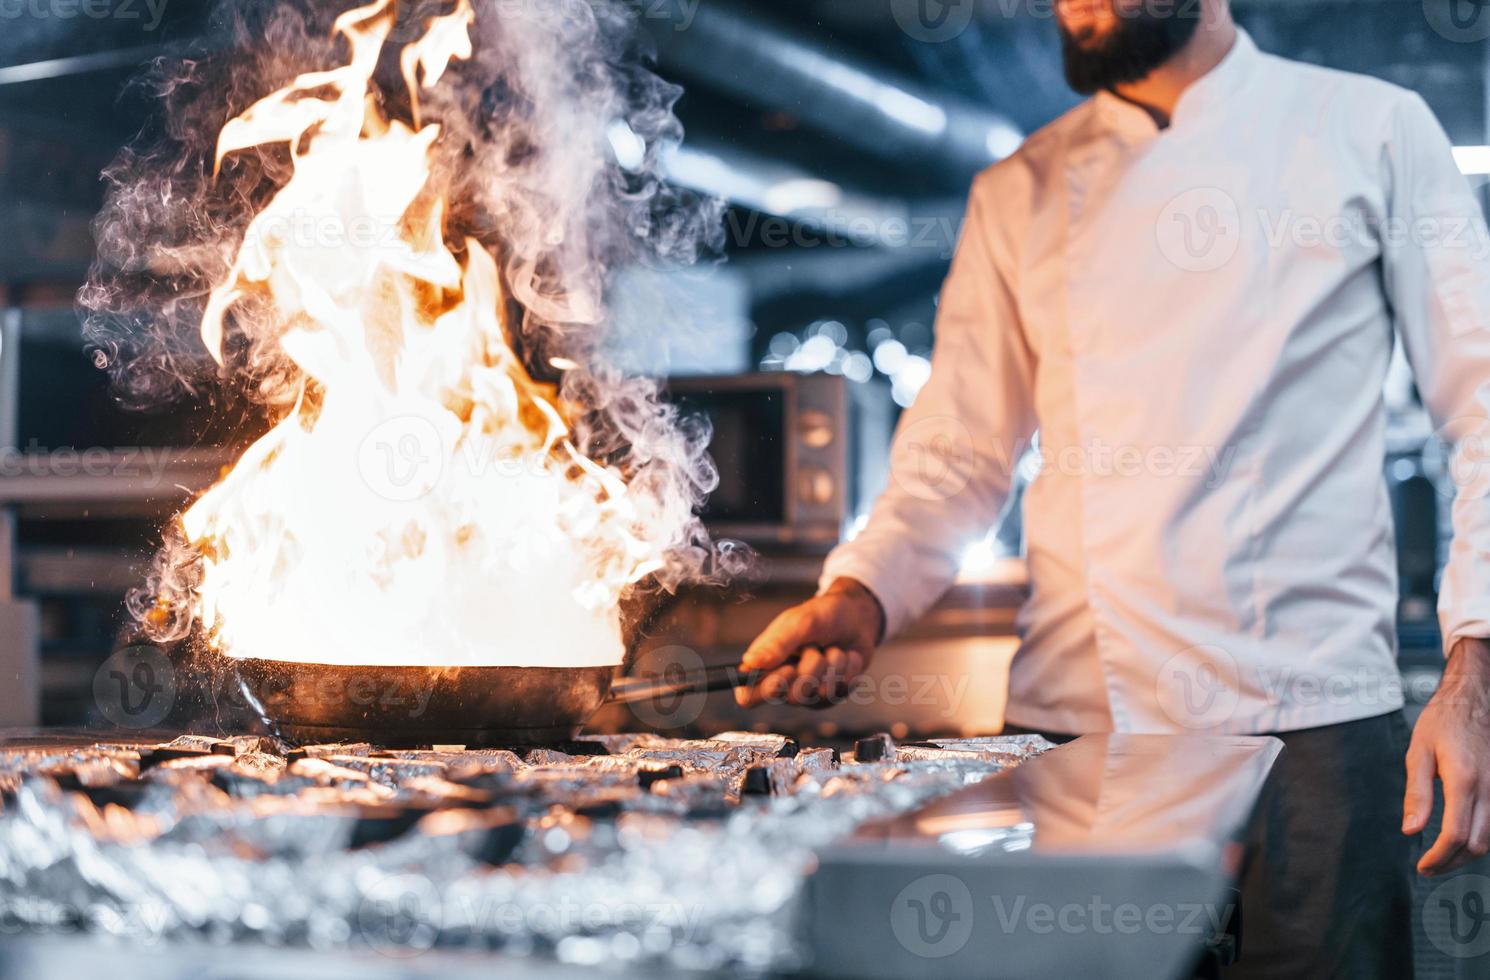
1217,250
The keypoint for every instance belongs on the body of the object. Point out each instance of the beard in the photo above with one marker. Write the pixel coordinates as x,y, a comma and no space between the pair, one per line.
1139,43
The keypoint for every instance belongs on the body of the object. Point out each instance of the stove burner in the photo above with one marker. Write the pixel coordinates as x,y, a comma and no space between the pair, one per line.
670,851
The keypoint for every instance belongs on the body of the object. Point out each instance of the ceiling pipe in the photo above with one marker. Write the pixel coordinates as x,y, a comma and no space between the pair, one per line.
834,217
82,64
840,275
774,68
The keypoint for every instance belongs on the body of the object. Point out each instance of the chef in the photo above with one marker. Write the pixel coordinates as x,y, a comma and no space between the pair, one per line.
1191,285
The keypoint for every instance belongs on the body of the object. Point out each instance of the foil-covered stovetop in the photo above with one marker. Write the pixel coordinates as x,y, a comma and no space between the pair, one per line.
631,848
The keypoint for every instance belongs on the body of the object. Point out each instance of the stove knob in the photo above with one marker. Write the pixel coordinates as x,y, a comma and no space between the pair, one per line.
816,429
757,782
816,486
875,748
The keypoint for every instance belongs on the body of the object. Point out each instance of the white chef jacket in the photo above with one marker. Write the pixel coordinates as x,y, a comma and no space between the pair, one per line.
1199,320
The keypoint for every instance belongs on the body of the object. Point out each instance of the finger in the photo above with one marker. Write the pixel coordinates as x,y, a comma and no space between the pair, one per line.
777,685
771,688
751,695
1477,838
809,679
854,666
1418,803
779,641
1479,829
1458,809
833,677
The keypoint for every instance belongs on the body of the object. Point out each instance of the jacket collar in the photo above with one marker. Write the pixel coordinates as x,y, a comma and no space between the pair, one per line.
1203,94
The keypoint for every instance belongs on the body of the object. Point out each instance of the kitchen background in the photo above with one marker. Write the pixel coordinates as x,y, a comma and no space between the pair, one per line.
843,134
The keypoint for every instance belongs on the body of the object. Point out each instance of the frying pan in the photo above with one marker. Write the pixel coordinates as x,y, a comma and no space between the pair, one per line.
473,706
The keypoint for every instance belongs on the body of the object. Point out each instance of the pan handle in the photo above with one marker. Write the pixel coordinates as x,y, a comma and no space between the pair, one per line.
726,677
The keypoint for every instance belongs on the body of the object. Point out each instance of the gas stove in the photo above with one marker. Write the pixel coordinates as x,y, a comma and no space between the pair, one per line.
633,847
743,852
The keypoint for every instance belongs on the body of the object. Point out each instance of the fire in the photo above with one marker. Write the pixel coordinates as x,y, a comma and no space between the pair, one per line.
423,502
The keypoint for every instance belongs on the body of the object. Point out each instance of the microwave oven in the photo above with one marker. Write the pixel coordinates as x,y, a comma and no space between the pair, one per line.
799,455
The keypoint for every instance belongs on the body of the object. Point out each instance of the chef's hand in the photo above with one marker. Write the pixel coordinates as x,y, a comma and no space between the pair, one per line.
835,634
1452,741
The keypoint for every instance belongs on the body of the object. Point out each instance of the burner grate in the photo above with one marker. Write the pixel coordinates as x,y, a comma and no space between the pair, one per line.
687,853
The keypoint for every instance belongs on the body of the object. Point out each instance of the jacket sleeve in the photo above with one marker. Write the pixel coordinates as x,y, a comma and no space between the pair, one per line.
1435,252
956,448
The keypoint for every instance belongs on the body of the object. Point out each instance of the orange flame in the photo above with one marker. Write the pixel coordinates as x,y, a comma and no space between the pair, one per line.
423,502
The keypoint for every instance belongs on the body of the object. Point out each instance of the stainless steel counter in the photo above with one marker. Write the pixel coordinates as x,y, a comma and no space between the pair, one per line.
1110,856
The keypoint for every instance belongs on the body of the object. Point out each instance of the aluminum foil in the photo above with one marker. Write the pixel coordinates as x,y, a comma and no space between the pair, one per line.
639,849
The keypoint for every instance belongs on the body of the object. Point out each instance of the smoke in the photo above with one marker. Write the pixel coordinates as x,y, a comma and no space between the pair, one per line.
525,162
